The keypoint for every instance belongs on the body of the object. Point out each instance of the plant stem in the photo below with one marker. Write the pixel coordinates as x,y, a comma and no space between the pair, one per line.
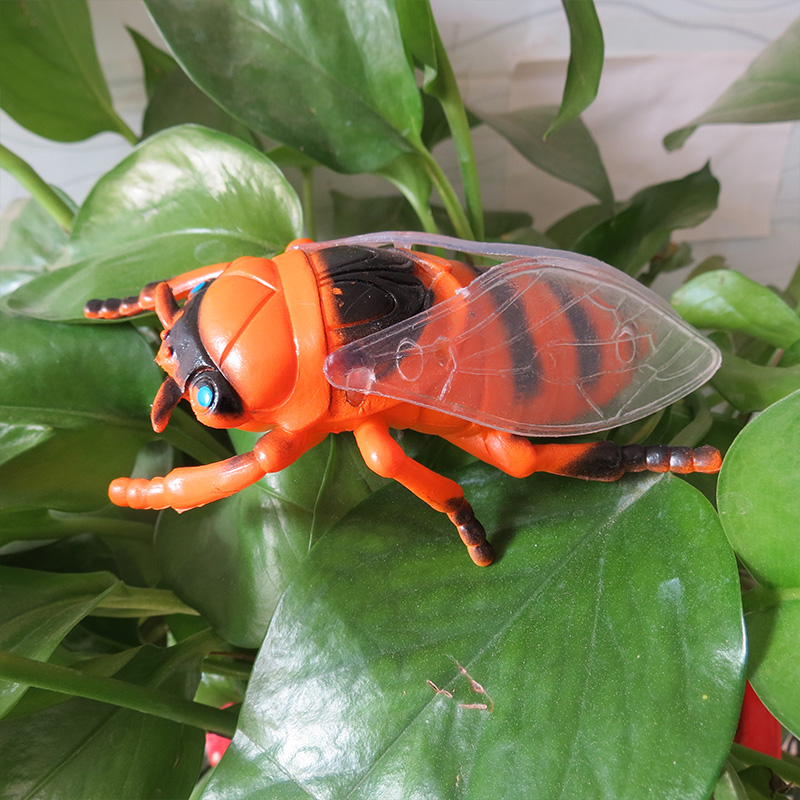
308,201
213,666
453,107
123,129
40,190
448,195
19,669
787,770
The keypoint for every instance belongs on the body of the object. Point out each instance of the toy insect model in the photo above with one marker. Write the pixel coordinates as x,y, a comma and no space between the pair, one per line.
367,335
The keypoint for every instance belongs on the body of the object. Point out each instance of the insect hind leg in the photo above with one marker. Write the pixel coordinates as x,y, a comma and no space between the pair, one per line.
592,461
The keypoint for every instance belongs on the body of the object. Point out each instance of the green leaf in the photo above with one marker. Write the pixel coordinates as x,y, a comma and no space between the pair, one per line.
31,241
94,386
567,231
354,215
185,198
756,500
729,785
570,154
727,300
37,610
50,79
769,90
757,491
156,63
435,128
773,634
759,782
71,376
84,748
409,175
605,636
585,62
261,535
331,79
71,470
752,387
642,226
176,101
16,439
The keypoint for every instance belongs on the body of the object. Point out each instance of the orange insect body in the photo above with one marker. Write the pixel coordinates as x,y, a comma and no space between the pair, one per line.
353,336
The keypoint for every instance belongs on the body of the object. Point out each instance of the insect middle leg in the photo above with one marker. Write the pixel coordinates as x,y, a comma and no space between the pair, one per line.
592,461
384,456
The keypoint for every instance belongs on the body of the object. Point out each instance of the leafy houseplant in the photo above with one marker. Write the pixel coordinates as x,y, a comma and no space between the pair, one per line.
603,655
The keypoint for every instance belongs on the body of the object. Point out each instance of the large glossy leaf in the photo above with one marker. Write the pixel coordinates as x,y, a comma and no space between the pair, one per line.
767,92
757,492
757,503
751,387
84,748
176,101
586,51
330,79
50,79
727,300
261,535
71,376
773,634
74,401
70,470
157,64
33,240
570,154
643,225
38,609
605,636
184,198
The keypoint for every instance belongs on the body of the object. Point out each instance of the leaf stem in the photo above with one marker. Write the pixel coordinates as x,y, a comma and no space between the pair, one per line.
449,96
40,190
448,195
19,669
308,201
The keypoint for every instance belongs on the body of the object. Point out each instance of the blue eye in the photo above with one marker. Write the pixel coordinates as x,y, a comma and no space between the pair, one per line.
197,288
205,396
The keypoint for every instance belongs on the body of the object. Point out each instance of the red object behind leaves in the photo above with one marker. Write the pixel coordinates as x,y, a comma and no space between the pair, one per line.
758,729
216,745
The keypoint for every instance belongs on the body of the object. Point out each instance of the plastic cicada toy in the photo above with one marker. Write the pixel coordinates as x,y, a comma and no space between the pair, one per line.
367,335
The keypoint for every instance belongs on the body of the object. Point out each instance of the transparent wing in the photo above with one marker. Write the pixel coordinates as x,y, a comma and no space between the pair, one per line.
541,346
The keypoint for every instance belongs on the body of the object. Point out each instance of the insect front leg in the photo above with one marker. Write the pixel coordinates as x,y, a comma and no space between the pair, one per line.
180,285
190,487
385,457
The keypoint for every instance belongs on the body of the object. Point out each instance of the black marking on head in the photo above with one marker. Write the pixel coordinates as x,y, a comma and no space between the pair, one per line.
195,365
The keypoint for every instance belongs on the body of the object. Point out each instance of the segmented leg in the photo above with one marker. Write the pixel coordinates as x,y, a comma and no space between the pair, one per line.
181,285
385,457
190,487
593,461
